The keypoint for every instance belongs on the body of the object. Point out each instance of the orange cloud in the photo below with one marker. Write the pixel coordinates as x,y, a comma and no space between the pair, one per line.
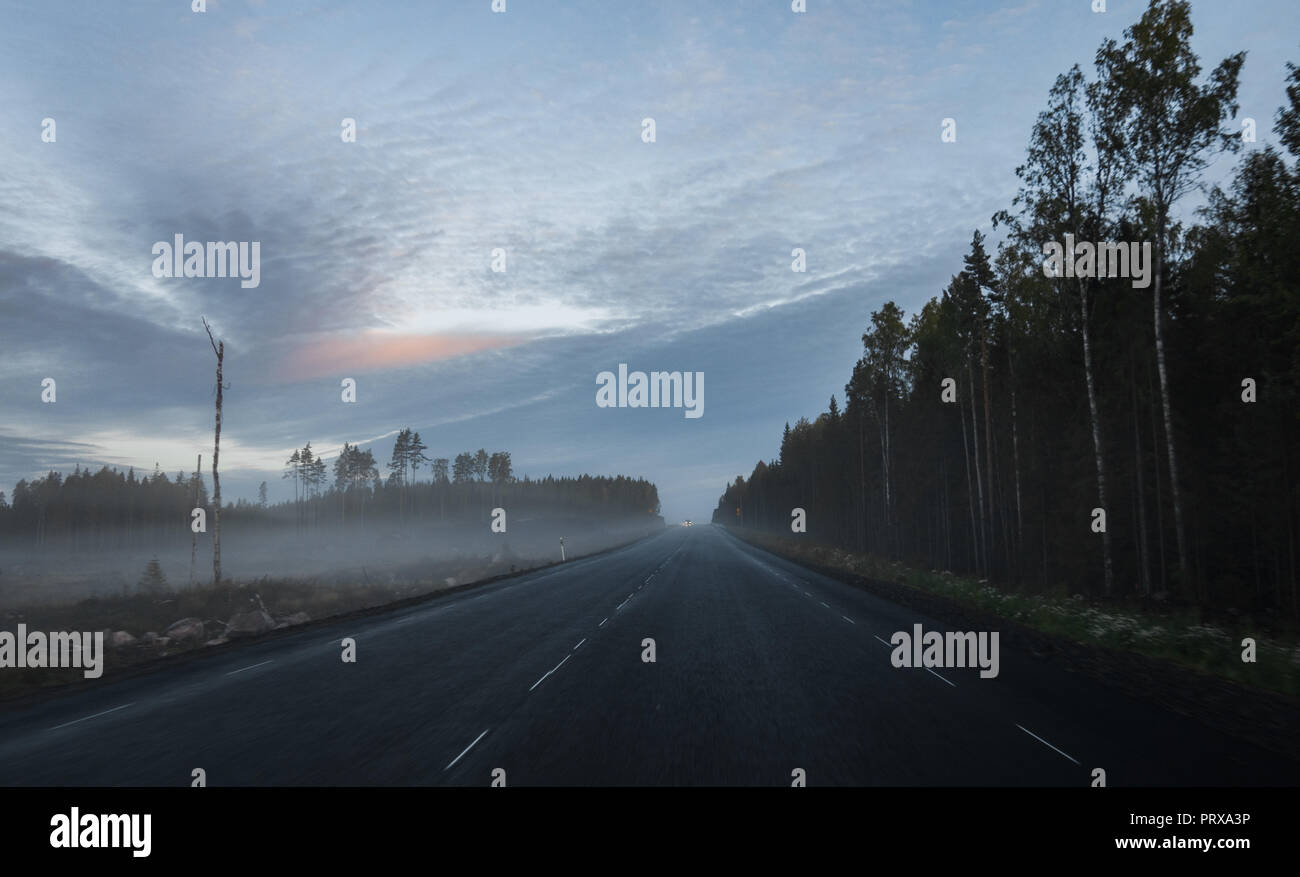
377,351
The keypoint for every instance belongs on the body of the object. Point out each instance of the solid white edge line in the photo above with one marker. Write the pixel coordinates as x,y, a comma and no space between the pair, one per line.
95,716
602,624
1048,745
467,749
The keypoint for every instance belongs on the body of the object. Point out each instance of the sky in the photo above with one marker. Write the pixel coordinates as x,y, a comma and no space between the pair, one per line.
519,131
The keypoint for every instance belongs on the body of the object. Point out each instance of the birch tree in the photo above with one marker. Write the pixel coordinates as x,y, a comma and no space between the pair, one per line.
1169,128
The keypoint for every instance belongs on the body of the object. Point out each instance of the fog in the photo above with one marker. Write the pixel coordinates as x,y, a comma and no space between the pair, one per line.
428,553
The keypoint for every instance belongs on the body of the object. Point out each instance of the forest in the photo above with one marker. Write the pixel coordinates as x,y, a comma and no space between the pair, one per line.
1075,434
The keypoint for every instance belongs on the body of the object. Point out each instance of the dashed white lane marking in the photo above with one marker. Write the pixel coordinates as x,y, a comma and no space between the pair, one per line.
467,749
579,645
824,605
602,624
849,620
549,672
624,603
95,716
891,645
249,667
1045,743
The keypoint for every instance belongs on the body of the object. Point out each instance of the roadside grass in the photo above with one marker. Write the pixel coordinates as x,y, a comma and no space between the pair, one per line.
142,613
1180,636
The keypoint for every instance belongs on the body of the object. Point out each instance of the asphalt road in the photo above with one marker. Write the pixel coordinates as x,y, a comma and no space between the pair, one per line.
762,668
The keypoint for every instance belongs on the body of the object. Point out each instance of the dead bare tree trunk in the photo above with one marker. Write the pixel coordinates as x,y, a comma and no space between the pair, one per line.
220,350
194,535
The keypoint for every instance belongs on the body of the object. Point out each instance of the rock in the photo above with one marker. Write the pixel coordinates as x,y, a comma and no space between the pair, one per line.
186,630
149,638
297,618
120,639
451,581
214,628
249,623
216,641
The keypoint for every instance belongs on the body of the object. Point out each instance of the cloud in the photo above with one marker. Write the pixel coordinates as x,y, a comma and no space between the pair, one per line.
344,354
476,132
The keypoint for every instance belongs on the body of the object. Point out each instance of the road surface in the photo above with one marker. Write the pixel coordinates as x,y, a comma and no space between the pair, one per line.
762,669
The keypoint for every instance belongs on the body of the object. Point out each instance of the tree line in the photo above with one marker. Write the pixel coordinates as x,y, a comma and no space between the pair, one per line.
1086,432
103,510
466,487
109,509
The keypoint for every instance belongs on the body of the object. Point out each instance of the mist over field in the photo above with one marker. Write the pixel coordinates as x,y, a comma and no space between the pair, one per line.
109,534
424,556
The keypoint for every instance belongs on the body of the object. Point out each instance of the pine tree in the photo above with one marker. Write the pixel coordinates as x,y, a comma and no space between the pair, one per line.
401,457
153,581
